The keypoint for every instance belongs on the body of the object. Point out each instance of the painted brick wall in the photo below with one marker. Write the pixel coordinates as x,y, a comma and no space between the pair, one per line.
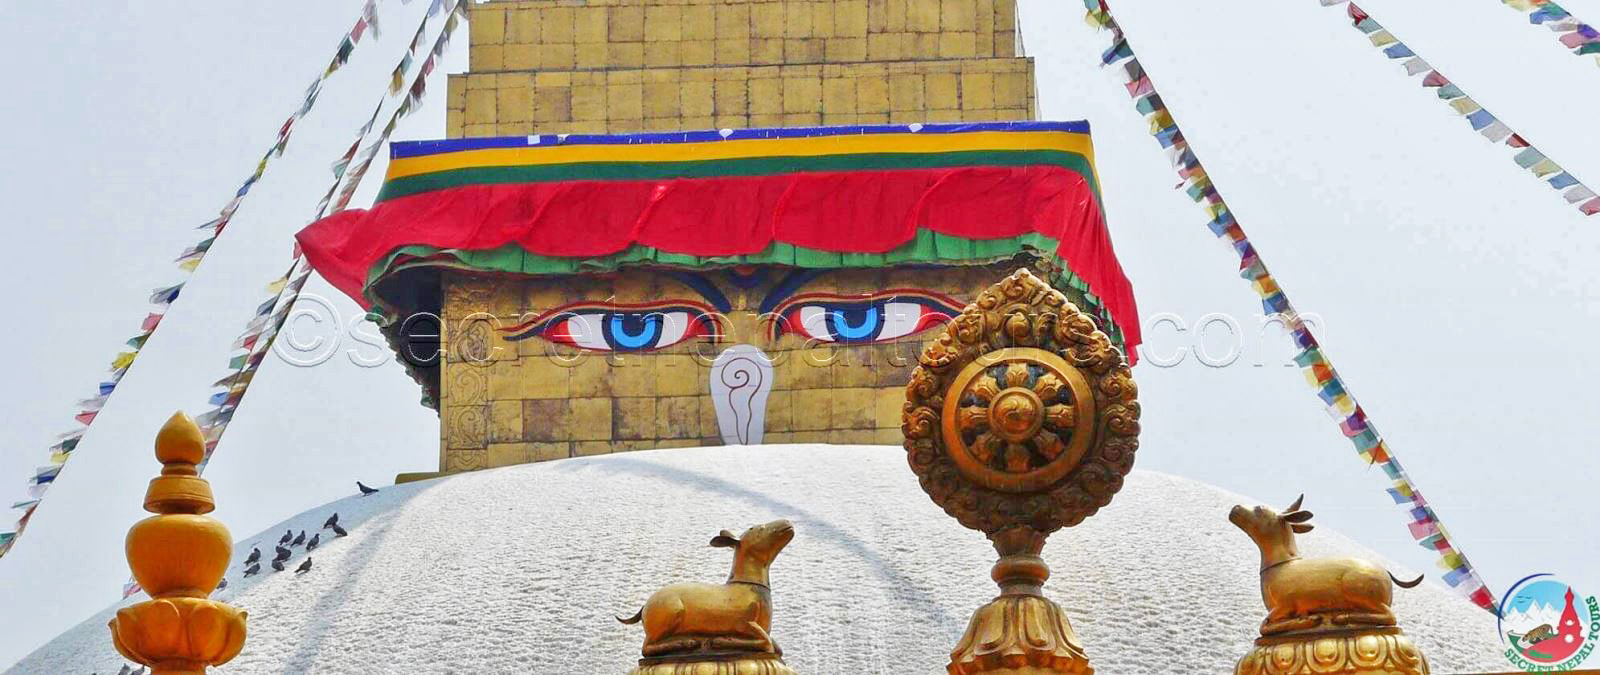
617,66
507,402
614,66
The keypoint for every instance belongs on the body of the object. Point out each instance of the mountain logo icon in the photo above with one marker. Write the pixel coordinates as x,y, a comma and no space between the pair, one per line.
1547,625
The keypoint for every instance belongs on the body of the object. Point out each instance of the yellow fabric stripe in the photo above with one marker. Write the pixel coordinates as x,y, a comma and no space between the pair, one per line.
1079,143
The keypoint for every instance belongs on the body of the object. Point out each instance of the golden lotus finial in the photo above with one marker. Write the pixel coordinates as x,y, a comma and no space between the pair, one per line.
179,556
1331,612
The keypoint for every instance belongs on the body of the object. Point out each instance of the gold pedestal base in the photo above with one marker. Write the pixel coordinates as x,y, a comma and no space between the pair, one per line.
1019,635
737,664
1370,651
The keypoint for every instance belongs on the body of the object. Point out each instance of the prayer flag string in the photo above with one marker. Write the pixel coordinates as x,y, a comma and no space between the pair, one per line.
264,326
1482,121
259,334
162,298
1578,37
1319,372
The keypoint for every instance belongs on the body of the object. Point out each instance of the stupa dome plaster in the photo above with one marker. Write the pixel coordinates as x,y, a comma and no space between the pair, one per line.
522,569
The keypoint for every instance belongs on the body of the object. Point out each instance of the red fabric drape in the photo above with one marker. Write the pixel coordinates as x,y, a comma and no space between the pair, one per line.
846,212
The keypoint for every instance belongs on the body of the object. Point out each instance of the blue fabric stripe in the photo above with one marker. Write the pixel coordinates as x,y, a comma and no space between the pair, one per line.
407,149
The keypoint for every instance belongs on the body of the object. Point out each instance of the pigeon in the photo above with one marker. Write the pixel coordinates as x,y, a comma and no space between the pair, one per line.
140,671
125,670
339,531
277,565
222,584
283,554
252,570
364,489
304,567
332,520
312,545
298,540
288,535
255,555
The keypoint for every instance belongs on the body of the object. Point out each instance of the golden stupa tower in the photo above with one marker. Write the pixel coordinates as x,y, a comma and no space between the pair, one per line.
623,66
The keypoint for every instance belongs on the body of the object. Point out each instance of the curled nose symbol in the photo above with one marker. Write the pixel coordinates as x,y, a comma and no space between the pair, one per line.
741,380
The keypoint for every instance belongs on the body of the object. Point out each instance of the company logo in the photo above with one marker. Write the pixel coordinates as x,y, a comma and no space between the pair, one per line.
1547,626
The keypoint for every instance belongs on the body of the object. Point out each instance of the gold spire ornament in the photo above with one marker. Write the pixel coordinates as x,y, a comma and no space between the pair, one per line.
1021,419
179,556
1324,615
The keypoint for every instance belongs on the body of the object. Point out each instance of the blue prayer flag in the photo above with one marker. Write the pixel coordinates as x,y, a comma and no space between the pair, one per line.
1562,181
1398,50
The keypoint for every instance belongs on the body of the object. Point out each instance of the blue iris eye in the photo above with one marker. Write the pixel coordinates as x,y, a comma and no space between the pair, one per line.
632,330
855,323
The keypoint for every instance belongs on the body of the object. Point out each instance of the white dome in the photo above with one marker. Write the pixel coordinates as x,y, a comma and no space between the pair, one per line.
521,569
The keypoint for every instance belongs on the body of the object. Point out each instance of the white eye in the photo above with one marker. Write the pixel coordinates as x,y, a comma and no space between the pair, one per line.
674,328
814,321
901,319
624,331
584,330
858,323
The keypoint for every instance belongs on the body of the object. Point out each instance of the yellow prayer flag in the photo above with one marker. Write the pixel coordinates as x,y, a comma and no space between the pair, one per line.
1160,120
1465,105
123,360
1545,167
1382,38
190,264
1344,404
277,286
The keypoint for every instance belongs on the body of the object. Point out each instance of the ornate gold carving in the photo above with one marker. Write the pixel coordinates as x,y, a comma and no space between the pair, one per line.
1021,419
456,461
178,556
979,462
1002,430
723,628
1375,651
1324,615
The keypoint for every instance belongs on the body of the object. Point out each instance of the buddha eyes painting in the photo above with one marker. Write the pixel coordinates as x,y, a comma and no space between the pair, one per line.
742,354
865,317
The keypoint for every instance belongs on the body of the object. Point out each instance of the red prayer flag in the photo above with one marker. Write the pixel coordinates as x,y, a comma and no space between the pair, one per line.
1356,14
86,417
1380,454
1434,79
1516,141
1574,40
150,322
1421,529
1590,207
1140,87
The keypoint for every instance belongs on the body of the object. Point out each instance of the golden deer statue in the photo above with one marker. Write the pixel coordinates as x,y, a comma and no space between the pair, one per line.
728,623
1320,608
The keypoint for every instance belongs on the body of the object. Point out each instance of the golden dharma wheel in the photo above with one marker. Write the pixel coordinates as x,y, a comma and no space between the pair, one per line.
1022,412
1019,419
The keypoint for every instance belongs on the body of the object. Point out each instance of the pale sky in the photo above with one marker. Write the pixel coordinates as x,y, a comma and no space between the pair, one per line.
1458,293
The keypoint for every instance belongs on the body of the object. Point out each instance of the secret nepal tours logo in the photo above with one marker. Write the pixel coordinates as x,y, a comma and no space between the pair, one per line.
1547,626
